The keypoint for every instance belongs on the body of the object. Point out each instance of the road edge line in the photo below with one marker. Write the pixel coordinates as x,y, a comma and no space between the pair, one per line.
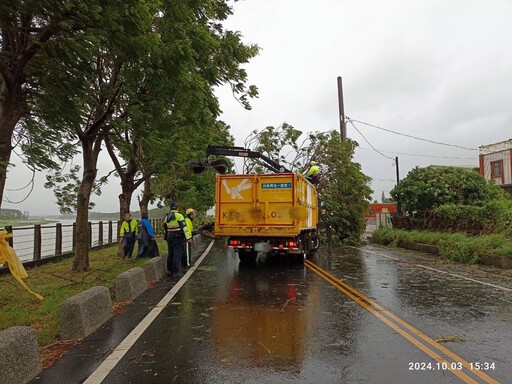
115,357
435,269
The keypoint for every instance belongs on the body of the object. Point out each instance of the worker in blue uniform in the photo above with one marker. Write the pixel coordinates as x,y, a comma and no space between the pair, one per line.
177,236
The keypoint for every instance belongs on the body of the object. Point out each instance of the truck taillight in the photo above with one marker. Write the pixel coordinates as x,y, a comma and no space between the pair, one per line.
292,294
291,244
234,242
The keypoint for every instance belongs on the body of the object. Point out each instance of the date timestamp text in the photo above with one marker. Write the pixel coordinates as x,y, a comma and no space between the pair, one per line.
452,366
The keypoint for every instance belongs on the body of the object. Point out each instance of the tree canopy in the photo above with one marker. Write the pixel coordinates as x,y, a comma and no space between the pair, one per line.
136,76
425,189
343,187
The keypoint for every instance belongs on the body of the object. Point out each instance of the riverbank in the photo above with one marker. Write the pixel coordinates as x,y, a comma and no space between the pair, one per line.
23,223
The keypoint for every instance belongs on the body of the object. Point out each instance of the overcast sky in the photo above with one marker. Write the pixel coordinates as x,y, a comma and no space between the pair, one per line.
439,70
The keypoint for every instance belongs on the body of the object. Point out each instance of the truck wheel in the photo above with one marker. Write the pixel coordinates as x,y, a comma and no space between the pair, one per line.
247,257
315,242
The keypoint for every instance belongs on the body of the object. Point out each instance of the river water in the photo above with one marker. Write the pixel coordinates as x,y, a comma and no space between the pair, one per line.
23,238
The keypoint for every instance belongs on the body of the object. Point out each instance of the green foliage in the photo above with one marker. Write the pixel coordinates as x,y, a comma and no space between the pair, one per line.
494,216
458,247
65,187
280,144
175,181
343,187
425,189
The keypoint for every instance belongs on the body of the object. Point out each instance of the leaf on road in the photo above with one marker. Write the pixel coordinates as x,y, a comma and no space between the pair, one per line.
451,339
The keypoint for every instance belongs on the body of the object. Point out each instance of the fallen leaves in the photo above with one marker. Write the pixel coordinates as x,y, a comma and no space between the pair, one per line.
120,307
53,352
451,339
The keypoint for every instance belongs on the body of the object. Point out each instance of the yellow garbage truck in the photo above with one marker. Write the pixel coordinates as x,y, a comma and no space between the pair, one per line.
273,213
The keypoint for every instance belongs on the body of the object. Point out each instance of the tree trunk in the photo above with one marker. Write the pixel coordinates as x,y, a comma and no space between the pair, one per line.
125,199
10,113
90,158
147,195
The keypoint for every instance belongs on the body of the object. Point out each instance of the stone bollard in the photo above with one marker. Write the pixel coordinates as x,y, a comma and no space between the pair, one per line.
130,284
154,269
82,314
20,361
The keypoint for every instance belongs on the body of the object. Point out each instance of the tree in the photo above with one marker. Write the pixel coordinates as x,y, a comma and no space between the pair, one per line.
425,189
343,187
280,144
149,63
173,113
27,28
179,183
82,92
386,200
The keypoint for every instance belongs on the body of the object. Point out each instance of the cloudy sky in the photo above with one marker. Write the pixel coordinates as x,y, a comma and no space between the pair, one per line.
439,70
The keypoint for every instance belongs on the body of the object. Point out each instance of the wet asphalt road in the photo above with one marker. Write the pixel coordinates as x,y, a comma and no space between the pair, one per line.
341,318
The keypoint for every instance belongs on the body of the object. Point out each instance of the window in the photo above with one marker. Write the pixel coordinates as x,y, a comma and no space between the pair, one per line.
496,168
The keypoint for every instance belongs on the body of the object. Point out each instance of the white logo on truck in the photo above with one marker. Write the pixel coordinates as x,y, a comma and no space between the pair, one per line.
235,191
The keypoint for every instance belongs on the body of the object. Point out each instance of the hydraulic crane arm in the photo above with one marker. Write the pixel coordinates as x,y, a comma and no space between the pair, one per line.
243,152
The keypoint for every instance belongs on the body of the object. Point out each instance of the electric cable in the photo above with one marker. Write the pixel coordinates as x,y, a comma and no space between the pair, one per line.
418,155
375,149
350,120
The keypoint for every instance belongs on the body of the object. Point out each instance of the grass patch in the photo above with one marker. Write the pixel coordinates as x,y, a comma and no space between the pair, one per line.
56,282
458,247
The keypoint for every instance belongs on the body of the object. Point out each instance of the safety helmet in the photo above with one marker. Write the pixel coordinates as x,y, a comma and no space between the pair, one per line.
174,205
189,211
312,162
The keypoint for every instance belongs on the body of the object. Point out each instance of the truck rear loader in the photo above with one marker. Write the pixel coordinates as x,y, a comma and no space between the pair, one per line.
271,213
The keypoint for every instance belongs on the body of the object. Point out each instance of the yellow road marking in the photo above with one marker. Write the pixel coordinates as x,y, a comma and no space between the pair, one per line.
379,312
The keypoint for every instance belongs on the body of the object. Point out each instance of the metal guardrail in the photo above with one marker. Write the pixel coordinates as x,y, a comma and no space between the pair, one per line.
34,243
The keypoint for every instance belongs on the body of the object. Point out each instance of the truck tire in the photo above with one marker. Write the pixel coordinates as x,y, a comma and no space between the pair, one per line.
315,240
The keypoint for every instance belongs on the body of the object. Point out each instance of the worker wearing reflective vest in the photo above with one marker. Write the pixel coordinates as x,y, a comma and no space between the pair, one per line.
177,236
128,233
313,173
190,215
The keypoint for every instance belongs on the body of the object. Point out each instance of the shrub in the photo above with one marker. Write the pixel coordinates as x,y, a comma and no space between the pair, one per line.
454,246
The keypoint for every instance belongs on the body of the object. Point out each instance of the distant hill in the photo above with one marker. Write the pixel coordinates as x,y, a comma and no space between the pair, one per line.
155,213
12,214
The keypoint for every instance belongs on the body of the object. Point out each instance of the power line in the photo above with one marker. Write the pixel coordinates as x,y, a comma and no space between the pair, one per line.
392,180
375,149
410,136
418,155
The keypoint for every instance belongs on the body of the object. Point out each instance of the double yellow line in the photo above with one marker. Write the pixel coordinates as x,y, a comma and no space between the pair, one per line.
415,336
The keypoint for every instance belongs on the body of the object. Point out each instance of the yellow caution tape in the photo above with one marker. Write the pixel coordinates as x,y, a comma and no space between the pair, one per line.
7,255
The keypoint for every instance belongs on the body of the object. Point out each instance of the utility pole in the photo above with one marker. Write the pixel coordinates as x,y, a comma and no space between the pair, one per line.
398,206
397,171
343,127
